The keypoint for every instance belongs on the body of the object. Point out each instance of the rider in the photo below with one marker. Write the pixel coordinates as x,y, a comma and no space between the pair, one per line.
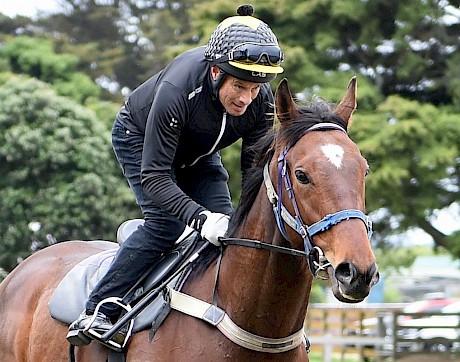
167,139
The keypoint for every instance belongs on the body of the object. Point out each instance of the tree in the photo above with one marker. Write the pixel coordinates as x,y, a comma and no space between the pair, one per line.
405,48
121,43
36,58
401,52
413,150
60,179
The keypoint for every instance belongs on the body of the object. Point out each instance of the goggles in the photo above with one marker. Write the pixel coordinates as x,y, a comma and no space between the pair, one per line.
251,53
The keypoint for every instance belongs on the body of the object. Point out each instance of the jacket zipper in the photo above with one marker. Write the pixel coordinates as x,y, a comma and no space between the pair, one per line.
221,133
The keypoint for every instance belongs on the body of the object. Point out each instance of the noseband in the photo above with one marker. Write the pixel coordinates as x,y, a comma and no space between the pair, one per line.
315,256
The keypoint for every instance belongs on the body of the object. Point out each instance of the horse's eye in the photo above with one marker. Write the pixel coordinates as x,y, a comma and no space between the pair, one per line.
368,170
301,177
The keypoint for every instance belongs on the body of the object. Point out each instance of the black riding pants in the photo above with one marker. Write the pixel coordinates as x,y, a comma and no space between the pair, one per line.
205,182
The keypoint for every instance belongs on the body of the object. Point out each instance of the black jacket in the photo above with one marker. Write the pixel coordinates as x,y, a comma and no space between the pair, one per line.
182,122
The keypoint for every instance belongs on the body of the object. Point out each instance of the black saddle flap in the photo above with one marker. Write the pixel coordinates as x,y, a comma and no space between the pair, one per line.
166,266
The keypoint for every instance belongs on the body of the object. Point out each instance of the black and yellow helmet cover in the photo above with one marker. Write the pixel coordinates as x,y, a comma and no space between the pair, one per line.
245,47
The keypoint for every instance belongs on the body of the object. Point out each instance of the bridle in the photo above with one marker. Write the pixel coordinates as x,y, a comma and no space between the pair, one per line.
317,262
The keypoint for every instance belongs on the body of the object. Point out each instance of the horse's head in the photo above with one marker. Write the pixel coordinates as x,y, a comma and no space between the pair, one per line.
320,176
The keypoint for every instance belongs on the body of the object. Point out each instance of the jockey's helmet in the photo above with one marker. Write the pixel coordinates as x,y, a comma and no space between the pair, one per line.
245,47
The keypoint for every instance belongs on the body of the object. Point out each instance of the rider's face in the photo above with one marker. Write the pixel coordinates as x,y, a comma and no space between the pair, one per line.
236,94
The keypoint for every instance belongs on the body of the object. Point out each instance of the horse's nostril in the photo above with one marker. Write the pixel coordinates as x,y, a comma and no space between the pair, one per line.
344,272
372,276
347,273
375,276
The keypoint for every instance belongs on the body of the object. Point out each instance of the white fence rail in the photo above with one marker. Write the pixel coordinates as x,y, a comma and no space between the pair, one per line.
374,333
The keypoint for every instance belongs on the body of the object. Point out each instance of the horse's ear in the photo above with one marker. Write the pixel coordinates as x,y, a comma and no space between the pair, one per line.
347,105
286,108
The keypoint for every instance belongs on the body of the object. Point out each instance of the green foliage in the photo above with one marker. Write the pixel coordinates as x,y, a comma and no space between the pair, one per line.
453,244
319,357
318,292
36,58
413,153
3,274
392,295
404,54
453,75
126,41
390,43
299,69
105,111
403,47
58,170
78,86
404,257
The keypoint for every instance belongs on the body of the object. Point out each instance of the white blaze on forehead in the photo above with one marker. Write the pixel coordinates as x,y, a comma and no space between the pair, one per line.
334,154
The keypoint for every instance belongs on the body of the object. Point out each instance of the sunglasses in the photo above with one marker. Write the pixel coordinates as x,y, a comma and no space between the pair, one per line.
255,54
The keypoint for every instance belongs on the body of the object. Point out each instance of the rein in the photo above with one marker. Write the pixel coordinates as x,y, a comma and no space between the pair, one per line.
256,244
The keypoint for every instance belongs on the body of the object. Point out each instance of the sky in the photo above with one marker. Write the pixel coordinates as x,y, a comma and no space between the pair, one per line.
27,7
31,7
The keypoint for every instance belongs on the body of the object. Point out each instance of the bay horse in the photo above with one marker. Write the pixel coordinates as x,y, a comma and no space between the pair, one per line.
301,216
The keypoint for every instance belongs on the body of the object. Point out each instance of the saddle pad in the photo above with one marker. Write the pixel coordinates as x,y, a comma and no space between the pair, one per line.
70,296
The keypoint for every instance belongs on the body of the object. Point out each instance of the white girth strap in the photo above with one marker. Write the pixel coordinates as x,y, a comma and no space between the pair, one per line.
217,317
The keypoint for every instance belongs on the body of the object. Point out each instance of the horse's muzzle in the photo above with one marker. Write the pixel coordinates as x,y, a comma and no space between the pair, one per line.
349,285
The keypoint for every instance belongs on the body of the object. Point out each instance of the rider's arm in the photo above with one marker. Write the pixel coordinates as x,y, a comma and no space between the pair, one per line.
167,115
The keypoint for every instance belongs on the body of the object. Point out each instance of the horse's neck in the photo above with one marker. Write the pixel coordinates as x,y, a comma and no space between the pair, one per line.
262,291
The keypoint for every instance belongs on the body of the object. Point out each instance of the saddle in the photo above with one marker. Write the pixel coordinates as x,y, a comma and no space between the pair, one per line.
69,298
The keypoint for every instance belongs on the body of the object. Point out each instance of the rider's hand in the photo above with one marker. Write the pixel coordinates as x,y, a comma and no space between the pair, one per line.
211,225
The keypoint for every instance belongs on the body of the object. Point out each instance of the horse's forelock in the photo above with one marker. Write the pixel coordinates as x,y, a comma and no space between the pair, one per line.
317,111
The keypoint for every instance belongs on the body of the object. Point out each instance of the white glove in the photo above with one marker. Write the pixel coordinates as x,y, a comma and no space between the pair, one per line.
214,227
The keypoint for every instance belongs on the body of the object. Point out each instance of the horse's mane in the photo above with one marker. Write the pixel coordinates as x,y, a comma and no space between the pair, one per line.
317,111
